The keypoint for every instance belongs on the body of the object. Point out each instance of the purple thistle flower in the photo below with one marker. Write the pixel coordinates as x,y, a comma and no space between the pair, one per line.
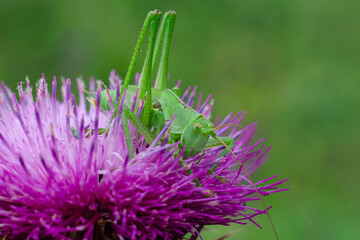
58,180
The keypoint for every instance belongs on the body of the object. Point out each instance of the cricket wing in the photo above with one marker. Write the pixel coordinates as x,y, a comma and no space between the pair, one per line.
171,104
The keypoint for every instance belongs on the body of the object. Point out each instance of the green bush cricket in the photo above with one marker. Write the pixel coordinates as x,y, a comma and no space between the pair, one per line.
189,127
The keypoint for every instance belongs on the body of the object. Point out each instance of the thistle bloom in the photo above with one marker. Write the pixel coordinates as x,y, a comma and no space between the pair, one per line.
60,178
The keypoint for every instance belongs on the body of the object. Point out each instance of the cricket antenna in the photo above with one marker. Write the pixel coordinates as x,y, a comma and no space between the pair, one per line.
225,125
252,182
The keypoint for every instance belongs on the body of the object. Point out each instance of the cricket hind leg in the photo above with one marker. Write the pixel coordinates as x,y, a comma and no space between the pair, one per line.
126,115
149,19
144,130
146,74
164,39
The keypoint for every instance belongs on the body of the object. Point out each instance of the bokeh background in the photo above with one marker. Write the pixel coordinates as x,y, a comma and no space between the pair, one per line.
293,65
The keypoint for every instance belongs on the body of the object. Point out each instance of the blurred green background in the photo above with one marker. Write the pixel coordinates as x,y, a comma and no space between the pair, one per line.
293,65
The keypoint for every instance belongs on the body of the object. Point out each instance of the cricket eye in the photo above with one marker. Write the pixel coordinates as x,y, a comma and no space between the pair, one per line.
197,128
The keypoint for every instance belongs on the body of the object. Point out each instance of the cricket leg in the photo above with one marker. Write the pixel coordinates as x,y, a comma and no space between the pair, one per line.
149,18
159,41
215,143
162,75
146,74
126,115
126,130
189,172
140,126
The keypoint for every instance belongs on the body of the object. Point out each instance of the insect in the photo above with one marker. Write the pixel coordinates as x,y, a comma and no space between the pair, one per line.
192,130
189,127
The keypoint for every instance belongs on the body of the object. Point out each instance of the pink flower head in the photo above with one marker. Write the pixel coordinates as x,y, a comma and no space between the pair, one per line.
61,178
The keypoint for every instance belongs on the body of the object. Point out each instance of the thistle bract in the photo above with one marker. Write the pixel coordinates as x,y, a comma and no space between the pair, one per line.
60,178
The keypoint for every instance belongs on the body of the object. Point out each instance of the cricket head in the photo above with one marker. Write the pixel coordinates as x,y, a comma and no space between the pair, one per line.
196,136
